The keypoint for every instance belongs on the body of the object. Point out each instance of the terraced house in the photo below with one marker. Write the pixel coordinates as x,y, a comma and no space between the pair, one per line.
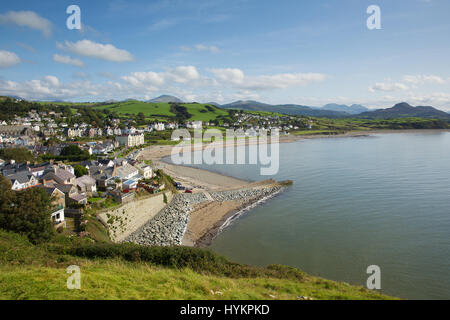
130,140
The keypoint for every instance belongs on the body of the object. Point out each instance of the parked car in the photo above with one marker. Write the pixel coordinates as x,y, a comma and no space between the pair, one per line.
188,191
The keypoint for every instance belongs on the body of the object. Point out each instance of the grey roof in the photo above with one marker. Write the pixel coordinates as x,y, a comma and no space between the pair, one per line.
50,189
85,181
64,174
64,187
22,177
78,197
90,163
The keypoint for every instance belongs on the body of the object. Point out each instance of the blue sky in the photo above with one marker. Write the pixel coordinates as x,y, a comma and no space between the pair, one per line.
289,51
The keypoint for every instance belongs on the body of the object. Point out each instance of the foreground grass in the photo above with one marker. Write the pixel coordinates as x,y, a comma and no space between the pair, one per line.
123,280
111,271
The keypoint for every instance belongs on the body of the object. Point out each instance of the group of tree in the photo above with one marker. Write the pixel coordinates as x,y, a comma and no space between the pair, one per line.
70,153
18,154
27,212
9,108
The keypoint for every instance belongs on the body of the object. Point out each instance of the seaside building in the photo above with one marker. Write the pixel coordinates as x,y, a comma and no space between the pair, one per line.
130,140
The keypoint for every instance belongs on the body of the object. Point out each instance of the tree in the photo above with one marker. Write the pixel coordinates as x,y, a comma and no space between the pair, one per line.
72,150
80,170
17,154
26,212
73,153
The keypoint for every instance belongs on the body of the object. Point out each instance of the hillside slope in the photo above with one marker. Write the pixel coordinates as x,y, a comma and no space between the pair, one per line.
289,109
134,272
404,110
353,109
163,110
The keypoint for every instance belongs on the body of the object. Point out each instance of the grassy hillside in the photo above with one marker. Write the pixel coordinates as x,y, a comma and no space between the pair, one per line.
136,272
201,112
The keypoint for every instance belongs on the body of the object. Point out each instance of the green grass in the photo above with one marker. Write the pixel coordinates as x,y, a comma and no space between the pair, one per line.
121,280
134,107
158,111
134,272
200,112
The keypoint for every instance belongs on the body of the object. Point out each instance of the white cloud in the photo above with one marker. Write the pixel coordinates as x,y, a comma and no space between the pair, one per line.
422,79
229,75
182,74
201,48
28,19
237,78
88,48
49,87
51,80
144,78
283,81
389,87
8,59
67,60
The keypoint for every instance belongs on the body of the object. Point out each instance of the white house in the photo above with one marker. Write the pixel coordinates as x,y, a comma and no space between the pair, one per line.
126,172
194,125
145,170
130,140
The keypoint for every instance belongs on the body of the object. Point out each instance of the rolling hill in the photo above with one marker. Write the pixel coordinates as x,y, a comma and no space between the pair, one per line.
164,110
289,109
404,110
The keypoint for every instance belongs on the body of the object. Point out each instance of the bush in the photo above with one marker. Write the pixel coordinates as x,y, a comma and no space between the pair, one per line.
17,154
199,260
80,170
27,212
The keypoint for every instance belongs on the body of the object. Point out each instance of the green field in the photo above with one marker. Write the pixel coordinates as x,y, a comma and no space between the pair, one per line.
133,272
162,110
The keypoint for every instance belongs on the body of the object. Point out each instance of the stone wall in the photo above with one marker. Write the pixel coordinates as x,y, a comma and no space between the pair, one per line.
127,218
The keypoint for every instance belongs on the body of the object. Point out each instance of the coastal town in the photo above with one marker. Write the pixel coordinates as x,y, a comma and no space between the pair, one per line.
90,171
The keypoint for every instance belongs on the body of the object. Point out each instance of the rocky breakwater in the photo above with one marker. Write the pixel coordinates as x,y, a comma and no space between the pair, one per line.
167,228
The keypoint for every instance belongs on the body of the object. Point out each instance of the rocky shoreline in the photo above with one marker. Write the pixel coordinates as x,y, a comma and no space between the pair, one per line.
169,225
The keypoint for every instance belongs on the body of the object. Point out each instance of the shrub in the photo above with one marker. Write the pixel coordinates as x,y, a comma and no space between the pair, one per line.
27,212
199,260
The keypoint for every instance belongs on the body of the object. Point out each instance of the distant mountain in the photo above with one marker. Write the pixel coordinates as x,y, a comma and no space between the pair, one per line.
289,109
16,97
404,110
213,104
353,109
166,98
248,105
